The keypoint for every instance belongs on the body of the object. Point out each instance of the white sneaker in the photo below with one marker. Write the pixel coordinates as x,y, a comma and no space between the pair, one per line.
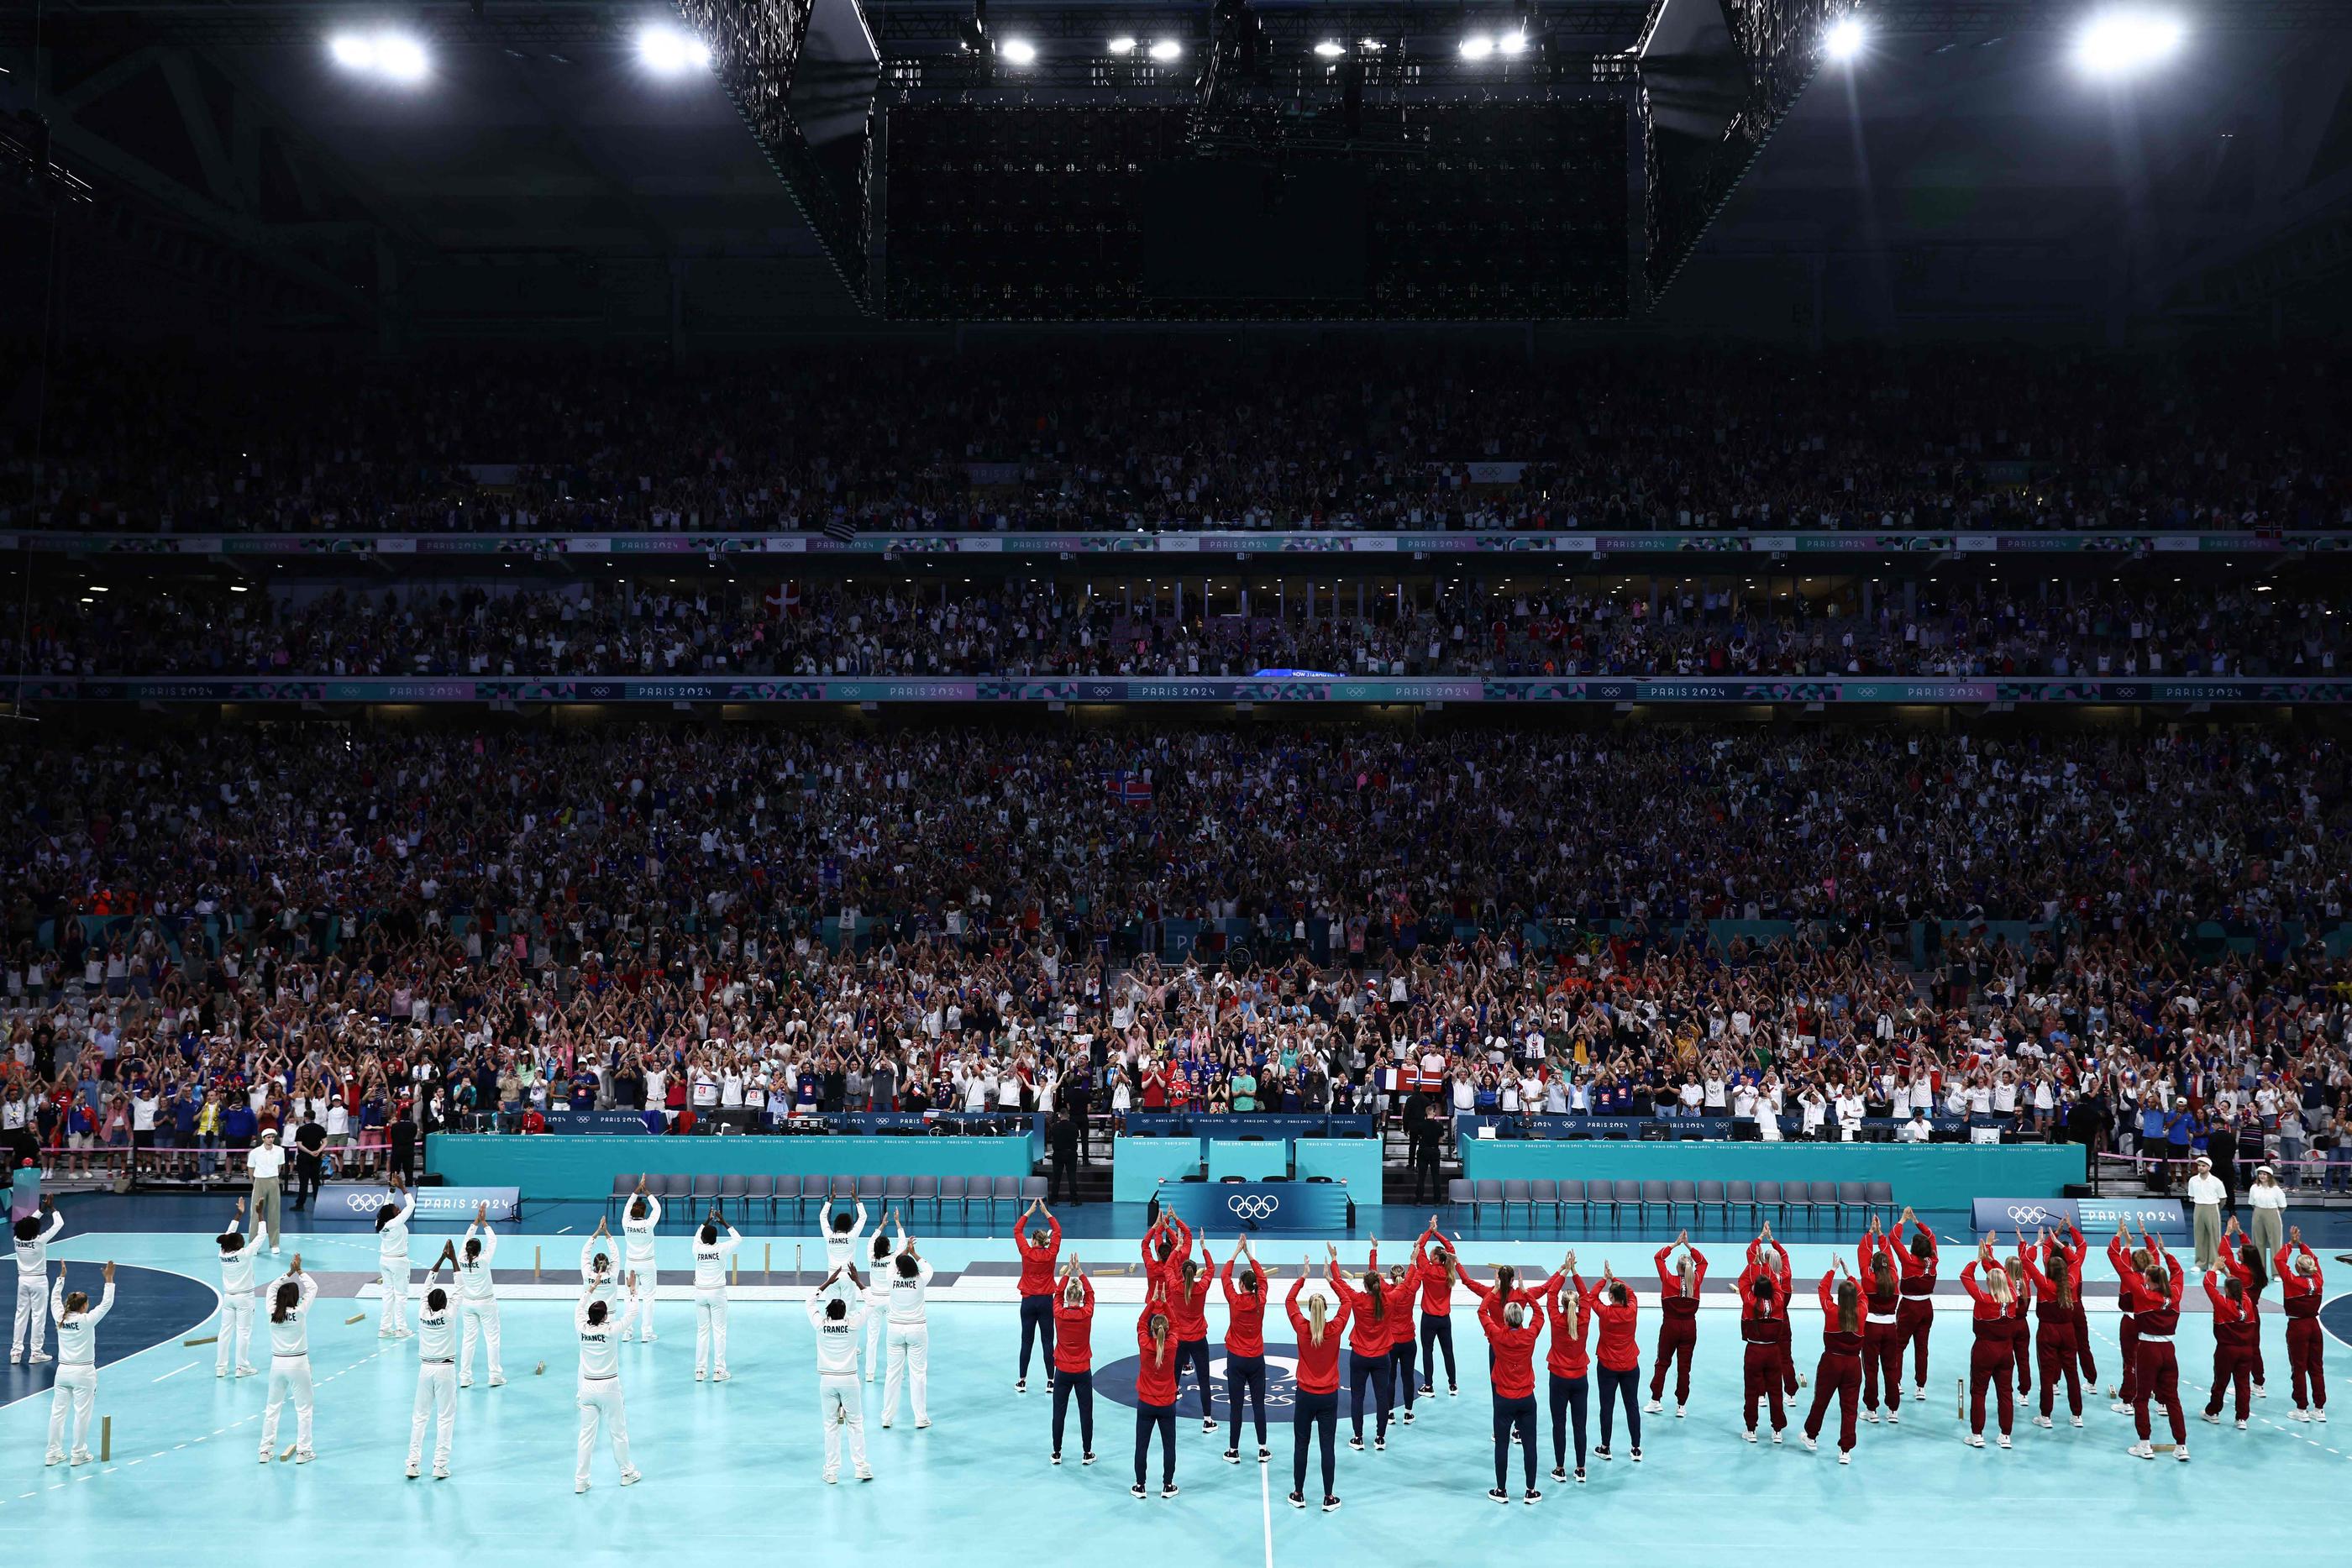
1871,1416
1895,1418
2261,1393
1778,1437
1976,1439
1652,1407
411,1472
1845,1456
79,1457
468,1381
440,1472
497,1381
2210,1418
1811,1447
2042,1421
833,1478
1680,1411
2141,1450
697,1377
54,1457
630,1478
2120,1407
864,1475
2320,1414
2181,1453
16,1355
2302,1415
1749,1434
264,1456
2077,1420
720,1376
304,1456
1207,1425
2004,1439
220,1371
2242,1426
40,1358
579,1487
244,1371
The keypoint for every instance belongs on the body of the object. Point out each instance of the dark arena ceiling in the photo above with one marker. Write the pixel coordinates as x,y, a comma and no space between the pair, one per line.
1687,165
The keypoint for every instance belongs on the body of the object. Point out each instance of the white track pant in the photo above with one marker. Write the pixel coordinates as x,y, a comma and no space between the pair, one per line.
479,1318
436,1394
394,1279
235,1332
910,1362
648,1280
599,1400
289,1378
841,1403
875,1312
32,1315
77,1387
709,1329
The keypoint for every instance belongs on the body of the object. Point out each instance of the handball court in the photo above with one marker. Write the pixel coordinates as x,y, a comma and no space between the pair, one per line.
733,1470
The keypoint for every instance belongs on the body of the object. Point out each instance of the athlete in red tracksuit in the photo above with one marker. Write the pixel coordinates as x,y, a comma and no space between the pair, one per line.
1785,1279
1073,1359
1189,1284
2020,1321
1166,1247
1315,1412
1245,1348
1368,1347
2125,1260
1513,1326
2253,1271
1037,1287
1437,1277
1763,1330
1991,1356
1880,1280
2237,1328
2074,1251
2153,1296
1619,1354
1155,1392
1569,1363
2058,1299
1403,1288
1839,1371
1678,1321
1916,1316
2302,1288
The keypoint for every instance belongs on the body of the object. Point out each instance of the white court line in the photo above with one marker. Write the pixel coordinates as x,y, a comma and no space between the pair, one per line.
173,1373
1264,1508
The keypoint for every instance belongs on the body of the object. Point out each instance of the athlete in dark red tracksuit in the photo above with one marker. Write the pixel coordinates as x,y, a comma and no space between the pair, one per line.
1916,1316
1881,1278
1037,1291
1839,1371
1991,1355
1513,1324
2236,1327
2253,1274
2021,1320
2125,1260
1677,1322
2074,1251
2302,1289
2057,1298
2153,1296
1763,1330
1777,1269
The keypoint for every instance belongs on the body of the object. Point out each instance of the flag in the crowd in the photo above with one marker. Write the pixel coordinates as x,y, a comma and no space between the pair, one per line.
1128,788
783,600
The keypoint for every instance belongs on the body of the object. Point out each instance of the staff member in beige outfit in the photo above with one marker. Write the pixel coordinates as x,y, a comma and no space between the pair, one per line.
2205,1196
266,1164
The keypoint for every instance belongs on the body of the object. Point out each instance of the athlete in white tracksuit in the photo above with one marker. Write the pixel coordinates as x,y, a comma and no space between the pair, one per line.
77,1384
478,1300
639,1231
391,1265
599,1391
34,1233
289,1359
837,1314
600,1279
711,1251
908,1334
437,1370
880,1256
840,1244
237,1252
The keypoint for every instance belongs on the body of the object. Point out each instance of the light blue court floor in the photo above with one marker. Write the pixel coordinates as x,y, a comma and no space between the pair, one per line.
733,1470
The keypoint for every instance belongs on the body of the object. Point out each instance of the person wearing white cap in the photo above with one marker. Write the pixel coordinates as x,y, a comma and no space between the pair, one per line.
837,1313
266,1163
437,1370
34,1233
2269,1201
391,1260
478,1300
237,1250
2205,1196
76,1383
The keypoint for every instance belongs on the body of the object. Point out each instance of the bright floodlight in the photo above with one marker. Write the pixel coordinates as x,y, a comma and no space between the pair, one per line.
400,58
669,52
1330,50
1845,38
1122,45
352,52
2120,43
1166,49
1018,51
1478,46
1511,43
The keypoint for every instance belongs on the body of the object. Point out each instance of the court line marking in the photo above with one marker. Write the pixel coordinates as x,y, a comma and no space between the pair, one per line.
1265,1506
173,1373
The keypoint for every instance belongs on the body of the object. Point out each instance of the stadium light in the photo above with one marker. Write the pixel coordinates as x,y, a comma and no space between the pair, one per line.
667,52
395,56
1122,44
1166,49
1478,46
1018,51
1511,43
2122,43
1330,50
1846,37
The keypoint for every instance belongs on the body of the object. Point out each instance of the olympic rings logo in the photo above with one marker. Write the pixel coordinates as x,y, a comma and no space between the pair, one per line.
1254,1205
2029,1214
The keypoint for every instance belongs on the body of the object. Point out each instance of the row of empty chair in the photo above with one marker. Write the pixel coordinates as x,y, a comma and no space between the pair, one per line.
1812,1199
686,1200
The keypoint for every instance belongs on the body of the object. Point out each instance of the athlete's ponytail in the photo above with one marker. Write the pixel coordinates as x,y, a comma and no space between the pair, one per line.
282,1303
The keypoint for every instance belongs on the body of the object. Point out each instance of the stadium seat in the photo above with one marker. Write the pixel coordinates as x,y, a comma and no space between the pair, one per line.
1659,1194
896,1190
952,1190
1768,1195
701,1192
1879,1194
1520,1193
1457,1194
1739,1195
1852,1195
1569,1192
736,1191
1483,1193
1009,1190
869,1190
623,1187
1682,1194
761,1189
1825,1200
925,1189
1629,1195
1031,1188
1710,1195
1543,1193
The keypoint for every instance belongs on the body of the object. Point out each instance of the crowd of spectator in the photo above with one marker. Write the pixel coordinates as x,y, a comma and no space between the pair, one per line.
1186,433
2152,626
215,933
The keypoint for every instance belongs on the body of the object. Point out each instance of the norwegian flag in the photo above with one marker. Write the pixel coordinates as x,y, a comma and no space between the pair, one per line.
783,600
1131,790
